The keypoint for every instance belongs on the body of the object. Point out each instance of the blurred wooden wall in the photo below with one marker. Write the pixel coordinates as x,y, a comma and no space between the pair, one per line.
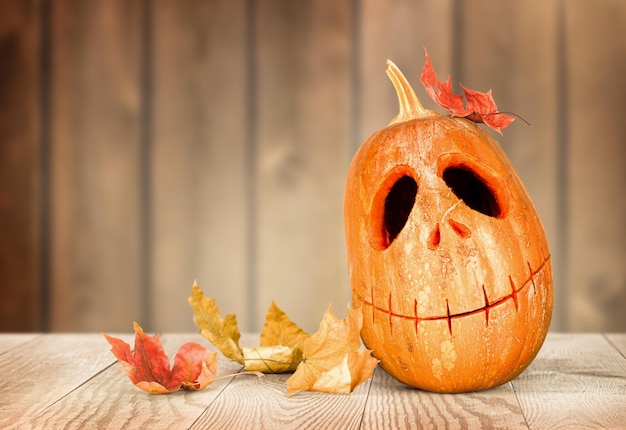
145,144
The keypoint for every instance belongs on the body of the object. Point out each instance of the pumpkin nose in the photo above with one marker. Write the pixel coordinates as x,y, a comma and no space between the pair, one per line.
461,230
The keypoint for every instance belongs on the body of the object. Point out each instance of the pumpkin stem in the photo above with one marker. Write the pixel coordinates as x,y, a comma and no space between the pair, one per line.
410,105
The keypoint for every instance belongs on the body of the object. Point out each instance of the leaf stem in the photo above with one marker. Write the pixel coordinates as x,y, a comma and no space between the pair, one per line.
245,372
510,113
274,361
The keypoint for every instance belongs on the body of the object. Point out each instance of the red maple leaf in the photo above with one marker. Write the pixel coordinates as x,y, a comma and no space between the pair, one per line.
148,367
480,107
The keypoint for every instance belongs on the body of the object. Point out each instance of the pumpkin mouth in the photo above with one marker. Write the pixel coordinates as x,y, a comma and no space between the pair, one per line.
489,304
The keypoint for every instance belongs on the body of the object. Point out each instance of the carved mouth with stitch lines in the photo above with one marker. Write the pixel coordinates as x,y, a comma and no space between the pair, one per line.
489,304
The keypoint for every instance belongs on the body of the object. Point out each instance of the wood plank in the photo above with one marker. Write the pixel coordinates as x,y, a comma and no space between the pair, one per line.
199,205
393,405
512,49
397,30
263,403
13,340
576,380
249,402
110,400
596,52
19,165
618,341
302,135
40,372
96,137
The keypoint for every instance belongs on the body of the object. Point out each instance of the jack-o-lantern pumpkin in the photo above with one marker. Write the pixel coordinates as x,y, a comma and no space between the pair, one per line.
447,256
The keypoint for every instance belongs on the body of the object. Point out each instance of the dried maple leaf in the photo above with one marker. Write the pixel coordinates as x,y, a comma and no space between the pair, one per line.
281,344
222,333
280,330
329,361
148,367
281,339
480,107
333,361
272,359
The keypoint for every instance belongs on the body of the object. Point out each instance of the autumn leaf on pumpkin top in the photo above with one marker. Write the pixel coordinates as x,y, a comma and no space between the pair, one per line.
148,367
480,107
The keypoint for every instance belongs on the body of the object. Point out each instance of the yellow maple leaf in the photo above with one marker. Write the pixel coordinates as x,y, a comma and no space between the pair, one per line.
333,361
281,344
329,361
222,333
280,330
272,359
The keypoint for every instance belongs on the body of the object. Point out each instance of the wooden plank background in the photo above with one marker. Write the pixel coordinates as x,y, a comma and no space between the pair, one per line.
20,194
148,143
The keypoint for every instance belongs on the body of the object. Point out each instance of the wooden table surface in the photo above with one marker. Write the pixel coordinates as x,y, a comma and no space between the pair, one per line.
54,381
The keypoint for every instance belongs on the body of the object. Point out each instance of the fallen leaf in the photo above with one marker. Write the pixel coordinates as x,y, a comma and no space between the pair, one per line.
195,363
329,361
281,339
281,344
222,333
148,367
280,330
333,361
272,359
480,107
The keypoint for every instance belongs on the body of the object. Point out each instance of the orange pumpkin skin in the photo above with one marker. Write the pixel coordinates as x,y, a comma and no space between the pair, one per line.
455,285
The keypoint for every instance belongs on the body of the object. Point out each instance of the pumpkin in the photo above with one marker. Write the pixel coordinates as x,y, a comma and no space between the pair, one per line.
447,256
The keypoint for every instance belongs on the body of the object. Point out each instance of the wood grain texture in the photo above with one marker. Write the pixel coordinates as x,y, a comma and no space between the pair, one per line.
55,365
109,400
596,58
618,341
96,255
576,380
263,403
199,204
303,110
10,341
391,404
19,165
69,381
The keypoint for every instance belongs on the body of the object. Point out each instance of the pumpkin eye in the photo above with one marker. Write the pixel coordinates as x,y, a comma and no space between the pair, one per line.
480,188
472,190
398,205
391,208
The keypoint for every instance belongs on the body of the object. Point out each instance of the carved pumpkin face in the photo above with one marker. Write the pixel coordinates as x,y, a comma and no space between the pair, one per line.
447,255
